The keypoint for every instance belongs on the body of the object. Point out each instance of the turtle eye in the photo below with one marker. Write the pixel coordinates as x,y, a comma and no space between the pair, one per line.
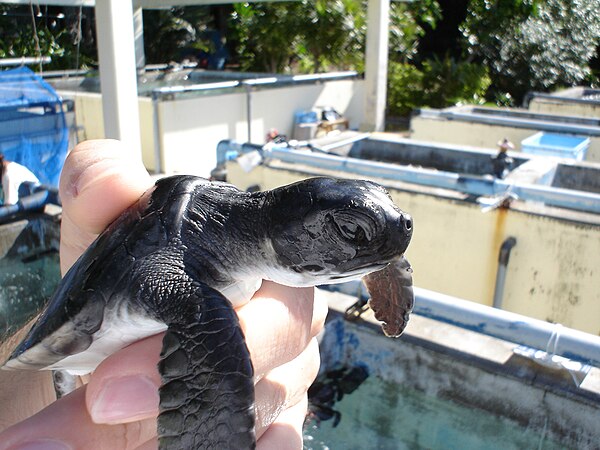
352,231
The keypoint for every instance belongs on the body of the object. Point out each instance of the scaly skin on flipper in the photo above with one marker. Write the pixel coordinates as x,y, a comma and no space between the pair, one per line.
392,297
203,342
180,259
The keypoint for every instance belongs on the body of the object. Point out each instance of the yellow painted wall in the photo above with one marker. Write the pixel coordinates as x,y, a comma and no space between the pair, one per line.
553,273
556,107
479,134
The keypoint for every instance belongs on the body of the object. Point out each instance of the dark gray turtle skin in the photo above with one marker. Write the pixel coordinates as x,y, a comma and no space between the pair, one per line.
176,261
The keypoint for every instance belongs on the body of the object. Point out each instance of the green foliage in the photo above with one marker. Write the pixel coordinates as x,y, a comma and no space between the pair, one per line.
306,36
57,34
449,82
487,20
331,34
438,83
405,89
407,20
168,32
318,35
267,34
534,44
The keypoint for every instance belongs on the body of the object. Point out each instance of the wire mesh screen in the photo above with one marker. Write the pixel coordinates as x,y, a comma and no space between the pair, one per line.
33,128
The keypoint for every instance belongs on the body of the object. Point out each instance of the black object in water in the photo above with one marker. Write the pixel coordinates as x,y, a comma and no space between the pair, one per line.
330,388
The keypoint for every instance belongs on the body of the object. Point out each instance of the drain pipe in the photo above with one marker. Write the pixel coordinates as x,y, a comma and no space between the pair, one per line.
156,132
249,85
503,257
248,111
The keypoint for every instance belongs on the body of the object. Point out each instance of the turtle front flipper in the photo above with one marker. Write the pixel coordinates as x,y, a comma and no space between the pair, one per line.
392,296
207,392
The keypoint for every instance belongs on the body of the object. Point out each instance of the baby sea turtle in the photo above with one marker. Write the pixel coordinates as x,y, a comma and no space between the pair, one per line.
179,258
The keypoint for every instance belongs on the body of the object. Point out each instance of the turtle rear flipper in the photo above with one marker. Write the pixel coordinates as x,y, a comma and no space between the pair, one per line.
207,392
57,336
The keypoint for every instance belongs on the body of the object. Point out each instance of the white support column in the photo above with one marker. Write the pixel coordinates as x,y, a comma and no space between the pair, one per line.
138,35
118,78
376,64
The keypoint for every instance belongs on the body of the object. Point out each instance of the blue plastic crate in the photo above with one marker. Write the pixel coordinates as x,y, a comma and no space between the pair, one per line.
305,117
558,145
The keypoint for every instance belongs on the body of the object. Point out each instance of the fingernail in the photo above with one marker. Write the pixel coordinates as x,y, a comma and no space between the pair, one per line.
125,399
43,444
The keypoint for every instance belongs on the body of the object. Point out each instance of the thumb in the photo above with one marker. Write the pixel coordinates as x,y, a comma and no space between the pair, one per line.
100,179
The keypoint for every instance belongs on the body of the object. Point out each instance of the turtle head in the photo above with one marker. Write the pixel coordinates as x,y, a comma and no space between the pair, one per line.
325,230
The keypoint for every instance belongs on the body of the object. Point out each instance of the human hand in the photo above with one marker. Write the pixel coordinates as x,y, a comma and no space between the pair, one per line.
118,408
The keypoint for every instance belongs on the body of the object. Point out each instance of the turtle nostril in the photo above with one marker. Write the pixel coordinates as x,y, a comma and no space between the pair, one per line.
406,222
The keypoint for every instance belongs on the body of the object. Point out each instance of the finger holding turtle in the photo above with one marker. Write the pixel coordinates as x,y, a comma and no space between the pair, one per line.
99,182
128,419
125,386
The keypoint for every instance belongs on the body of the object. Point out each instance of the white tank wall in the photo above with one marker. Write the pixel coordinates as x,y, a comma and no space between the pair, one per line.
191,128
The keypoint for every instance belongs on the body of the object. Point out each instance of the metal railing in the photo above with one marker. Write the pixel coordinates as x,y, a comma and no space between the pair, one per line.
594,100
587,127
566,342
272,80
24,61
474,185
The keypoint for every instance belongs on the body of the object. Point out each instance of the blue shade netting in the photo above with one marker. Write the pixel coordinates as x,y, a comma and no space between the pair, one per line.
33,128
